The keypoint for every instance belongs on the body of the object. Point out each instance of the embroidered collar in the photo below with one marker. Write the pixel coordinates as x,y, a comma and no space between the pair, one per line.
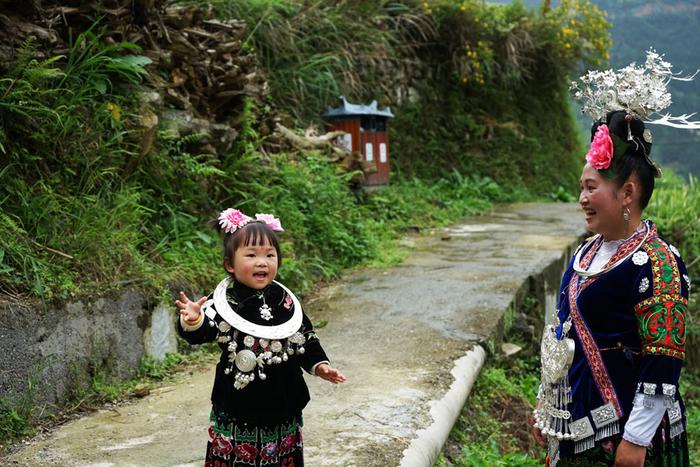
633,240
230,315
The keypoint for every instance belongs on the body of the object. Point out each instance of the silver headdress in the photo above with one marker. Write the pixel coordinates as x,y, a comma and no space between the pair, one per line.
638,90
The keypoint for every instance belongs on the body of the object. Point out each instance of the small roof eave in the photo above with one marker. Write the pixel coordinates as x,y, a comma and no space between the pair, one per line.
347,109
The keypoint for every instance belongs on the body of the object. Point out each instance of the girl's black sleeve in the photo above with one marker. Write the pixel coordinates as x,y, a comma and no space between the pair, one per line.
313,353
206,332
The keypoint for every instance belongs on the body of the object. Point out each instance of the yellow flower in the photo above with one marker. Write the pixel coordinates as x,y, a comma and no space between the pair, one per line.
115,110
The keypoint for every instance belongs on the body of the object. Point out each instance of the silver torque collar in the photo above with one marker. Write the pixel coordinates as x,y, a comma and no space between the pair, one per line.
583,273
281,331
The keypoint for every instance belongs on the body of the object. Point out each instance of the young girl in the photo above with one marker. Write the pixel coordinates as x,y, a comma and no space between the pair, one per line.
265,339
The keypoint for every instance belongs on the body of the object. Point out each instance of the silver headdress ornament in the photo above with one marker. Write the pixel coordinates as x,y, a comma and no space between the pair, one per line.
639,90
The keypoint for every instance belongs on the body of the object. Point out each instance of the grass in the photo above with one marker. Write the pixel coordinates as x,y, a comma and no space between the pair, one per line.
492,429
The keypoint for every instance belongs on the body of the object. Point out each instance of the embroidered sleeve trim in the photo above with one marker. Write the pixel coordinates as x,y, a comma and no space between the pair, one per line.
189,327
661,317
661,320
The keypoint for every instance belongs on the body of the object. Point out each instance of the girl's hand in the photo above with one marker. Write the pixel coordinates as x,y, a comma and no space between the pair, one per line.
327,372
190,311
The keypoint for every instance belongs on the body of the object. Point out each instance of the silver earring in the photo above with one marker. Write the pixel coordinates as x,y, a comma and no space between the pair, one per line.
626,216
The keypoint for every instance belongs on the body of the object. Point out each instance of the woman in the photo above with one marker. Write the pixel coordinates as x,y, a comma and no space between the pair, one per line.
611,364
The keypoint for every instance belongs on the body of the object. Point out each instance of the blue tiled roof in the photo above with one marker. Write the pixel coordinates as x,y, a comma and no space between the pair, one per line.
347,109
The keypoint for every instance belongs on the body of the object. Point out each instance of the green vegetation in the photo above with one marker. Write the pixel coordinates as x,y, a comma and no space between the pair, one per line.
672,27
476,87
492,428
84,210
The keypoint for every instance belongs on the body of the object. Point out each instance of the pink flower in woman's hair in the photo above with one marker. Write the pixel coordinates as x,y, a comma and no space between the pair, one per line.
232,219
272,222
601,152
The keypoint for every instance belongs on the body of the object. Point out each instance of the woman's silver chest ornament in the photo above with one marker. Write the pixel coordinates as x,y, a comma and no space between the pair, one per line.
257,353
554,395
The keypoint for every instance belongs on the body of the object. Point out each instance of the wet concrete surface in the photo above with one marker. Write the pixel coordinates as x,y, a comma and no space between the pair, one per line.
395,333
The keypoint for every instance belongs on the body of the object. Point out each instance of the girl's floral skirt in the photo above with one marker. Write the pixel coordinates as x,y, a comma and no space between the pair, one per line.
237,444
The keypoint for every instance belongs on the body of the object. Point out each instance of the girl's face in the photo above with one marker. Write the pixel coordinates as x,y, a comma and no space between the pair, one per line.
254,265
602,204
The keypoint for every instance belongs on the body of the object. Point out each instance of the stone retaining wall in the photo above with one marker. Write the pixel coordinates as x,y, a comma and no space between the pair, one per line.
49,354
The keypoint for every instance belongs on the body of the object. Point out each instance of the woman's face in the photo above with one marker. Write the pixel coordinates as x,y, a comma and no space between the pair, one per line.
602,204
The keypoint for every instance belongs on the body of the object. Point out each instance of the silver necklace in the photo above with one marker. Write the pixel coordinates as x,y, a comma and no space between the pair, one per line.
585,274
281,331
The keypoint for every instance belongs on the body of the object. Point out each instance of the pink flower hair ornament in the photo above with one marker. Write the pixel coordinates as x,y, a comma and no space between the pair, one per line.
605,147
272,222
600,154
231,220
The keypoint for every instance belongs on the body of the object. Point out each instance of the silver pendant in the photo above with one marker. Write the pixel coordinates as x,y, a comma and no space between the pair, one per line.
556,354
249,341
245,360
297,338
265,312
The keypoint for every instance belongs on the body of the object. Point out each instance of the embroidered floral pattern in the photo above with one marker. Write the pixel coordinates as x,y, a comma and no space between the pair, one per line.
643,285
664,269
662,325
687,281
661,317
268,453
246,452
252,445
221,447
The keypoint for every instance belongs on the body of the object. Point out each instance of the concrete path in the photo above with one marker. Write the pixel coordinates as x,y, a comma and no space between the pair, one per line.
411,339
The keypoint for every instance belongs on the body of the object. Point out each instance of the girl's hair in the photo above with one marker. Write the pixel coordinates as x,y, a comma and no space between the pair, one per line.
636,159
253,233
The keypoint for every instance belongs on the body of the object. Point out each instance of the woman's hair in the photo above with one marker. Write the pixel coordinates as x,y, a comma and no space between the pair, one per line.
253,233
637,157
